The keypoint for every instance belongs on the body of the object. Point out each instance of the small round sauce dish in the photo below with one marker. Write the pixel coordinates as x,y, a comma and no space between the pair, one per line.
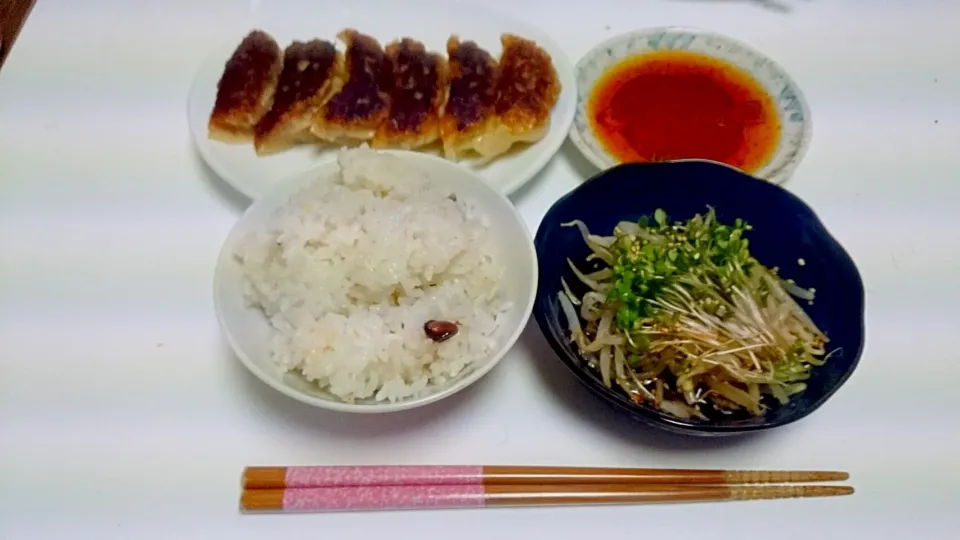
665,94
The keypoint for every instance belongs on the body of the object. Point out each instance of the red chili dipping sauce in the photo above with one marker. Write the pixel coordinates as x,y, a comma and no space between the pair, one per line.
670,105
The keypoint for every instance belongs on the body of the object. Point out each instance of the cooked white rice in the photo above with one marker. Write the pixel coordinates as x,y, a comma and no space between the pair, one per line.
349,271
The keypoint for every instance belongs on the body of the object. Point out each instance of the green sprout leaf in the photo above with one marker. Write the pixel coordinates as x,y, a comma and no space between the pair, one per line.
660,217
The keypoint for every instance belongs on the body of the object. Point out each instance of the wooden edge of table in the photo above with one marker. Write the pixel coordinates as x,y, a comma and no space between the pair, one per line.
13,14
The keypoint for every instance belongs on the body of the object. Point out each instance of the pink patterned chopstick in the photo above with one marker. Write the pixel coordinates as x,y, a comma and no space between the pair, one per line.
363,475
371,498
446,475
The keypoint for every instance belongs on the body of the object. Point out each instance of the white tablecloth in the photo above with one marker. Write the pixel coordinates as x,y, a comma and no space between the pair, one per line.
123,414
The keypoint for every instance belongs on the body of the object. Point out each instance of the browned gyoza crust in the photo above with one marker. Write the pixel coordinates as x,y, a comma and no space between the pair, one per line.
246,88
528,87
417,92
527,91
308,79
469,110
404,97
356,111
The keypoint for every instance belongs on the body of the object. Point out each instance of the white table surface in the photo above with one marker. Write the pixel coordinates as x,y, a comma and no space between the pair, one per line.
123,414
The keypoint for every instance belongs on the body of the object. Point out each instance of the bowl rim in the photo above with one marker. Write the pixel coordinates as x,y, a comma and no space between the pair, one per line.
298,181
659,419
779,176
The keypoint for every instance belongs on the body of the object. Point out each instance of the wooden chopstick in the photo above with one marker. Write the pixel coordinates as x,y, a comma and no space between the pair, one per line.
406,497
491,475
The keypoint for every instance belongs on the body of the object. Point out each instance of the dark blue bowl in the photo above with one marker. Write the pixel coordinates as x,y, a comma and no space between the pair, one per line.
785,230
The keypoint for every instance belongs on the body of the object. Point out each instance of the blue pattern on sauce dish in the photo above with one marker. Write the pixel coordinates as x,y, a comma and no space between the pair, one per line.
792,107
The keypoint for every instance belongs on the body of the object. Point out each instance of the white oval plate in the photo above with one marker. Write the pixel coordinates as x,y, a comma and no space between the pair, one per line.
430,21
795,130
250,333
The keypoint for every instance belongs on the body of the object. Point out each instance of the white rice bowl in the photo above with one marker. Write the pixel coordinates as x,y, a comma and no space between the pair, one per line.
349,270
